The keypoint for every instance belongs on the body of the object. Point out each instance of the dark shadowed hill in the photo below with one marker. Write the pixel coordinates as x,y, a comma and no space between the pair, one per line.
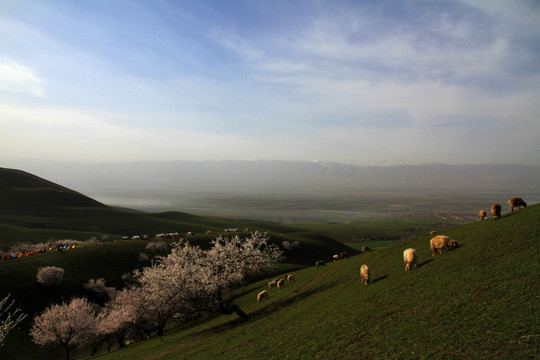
24,192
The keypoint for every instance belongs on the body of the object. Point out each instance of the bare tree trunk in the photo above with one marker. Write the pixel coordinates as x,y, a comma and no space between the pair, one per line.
230,309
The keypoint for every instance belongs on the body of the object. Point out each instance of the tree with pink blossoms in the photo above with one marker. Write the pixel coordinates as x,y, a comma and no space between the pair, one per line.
127,315
197,280
68,325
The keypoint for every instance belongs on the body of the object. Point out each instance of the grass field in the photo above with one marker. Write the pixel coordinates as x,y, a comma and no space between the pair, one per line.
478,301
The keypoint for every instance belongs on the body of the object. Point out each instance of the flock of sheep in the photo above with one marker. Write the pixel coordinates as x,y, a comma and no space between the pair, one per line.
514,203
279,283
438,244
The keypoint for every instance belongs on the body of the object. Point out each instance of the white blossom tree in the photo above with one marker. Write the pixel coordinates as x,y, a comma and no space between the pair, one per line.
203,280
187,282
8,319
68,325
171,287
126,315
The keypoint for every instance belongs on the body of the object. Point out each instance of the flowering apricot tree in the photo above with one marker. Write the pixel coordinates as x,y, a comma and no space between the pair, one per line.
191,280
68,325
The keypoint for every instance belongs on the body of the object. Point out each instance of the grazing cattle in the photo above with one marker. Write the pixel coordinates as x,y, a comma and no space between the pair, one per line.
496,211
482,214
320,263
365,249
364,274
262,295
516,202
410,258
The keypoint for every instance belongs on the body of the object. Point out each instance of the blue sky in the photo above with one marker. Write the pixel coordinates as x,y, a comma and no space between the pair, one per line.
361,82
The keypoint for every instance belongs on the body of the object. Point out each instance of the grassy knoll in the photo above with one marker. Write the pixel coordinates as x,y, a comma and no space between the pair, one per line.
479,301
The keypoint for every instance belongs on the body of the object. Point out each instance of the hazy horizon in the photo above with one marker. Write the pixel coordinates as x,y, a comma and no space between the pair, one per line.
354,82
293,190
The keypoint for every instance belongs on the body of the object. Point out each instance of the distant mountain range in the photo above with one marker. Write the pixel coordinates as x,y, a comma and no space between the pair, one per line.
279,176
280,191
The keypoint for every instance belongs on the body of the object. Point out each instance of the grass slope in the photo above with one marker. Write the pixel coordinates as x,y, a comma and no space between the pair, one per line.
479,301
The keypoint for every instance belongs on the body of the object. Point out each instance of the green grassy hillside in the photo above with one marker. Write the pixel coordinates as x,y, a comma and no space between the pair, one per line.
479,301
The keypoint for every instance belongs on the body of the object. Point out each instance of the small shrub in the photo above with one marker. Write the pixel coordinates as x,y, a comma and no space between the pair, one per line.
143,257
157,247
50,275
99,287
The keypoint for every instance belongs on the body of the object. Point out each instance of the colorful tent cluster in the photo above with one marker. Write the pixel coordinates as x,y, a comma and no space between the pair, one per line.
30,253
15,256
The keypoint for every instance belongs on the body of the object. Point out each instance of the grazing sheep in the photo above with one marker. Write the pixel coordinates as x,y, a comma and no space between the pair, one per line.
432,232
516,202
482,214
335,257
273,283
262,295
410,257
320,263
452,244
344,255
439,243
290,277
364,274
496,211
280,283
365,249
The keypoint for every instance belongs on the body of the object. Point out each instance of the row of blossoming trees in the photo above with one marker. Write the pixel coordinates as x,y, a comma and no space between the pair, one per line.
178,287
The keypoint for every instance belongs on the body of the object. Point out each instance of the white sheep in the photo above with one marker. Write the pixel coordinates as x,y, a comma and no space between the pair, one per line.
482,214
262,295
364,274
516,202
410,257
290,277
439,244
496,211
273,283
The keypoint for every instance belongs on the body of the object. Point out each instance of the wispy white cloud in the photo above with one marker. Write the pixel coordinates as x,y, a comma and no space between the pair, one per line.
15,77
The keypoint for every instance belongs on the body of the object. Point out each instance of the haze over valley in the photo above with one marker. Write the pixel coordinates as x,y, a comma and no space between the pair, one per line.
295,191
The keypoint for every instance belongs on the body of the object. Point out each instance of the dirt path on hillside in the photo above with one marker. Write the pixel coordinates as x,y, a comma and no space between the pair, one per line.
296,295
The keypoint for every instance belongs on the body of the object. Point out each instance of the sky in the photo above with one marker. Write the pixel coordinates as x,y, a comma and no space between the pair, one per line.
356,82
